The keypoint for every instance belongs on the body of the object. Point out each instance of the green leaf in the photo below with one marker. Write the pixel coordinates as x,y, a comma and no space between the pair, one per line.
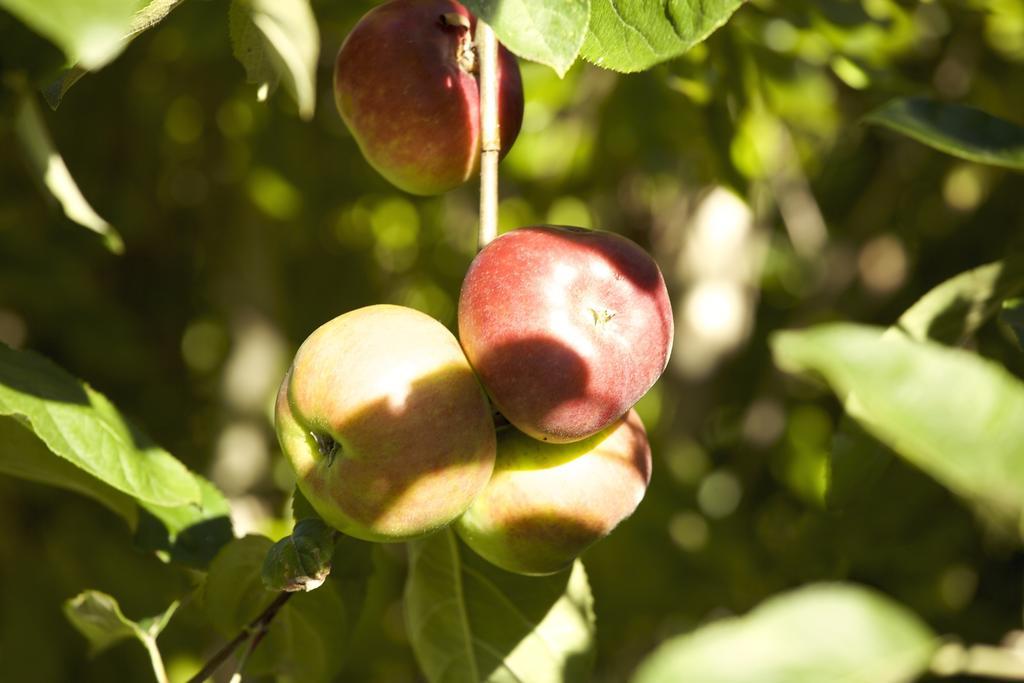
51,172
1012,316
149,16
23,455
541,31
190,534
98,617
301,560
308,639
277,40
953,414
80,425
961,131
824,632
90,32
952,312
856,462
628,35
470,621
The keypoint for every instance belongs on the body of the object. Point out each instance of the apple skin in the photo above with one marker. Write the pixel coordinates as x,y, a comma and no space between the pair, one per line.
546,503
410,102
567,328
389,389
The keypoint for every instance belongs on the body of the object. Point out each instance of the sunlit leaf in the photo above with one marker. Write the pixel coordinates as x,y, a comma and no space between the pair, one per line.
470,621
90,32
950,412
23,455
633,35
80,425
541,31
278,40
145,18
825,632
51,172
961,131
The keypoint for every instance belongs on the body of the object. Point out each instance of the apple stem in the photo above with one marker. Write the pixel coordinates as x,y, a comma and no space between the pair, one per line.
490,137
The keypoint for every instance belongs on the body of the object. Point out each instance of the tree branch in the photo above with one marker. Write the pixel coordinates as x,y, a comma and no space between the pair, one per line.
490,137
256,629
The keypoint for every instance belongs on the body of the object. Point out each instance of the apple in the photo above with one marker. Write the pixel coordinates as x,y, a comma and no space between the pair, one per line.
567,328
546,503
389,433
405,86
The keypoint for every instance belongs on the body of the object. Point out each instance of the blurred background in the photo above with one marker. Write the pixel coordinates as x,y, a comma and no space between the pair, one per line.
741,166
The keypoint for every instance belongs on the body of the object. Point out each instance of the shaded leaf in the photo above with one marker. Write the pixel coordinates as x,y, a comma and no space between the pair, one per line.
628,36
80,425
950,412
549,33
953,311
278,40
98,617
961,131
470,621
53,175
23,455
825,632
90,32
308,639
1012,315
190,534
301,560
856,462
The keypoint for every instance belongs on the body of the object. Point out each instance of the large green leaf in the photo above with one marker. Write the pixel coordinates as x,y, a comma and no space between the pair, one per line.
308,639
80,425
470,621
952,413
90,32
52,173
278,40
951,313
818,634
538,30
633,35
961,131
23,455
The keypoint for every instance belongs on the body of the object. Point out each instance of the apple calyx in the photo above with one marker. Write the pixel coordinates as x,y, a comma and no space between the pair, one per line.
327,446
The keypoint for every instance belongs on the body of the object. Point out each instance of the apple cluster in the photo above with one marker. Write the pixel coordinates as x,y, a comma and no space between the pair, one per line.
521,433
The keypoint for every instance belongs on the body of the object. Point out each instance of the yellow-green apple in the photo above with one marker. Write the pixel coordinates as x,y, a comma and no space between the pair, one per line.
546,503
405,85
388,430
567,328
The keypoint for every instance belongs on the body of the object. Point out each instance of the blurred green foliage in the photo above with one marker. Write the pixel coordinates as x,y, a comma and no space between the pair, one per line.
246,227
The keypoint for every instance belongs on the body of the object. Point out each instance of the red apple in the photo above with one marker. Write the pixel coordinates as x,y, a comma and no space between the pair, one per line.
405,86
546,503
385,424
567,328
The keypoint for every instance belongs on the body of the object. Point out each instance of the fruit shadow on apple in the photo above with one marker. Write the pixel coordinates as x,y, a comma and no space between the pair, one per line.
398,467
545,504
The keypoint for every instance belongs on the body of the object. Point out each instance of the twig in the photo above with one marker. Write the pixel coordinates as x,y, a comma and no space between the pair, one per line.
256,629
985,661
490,137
